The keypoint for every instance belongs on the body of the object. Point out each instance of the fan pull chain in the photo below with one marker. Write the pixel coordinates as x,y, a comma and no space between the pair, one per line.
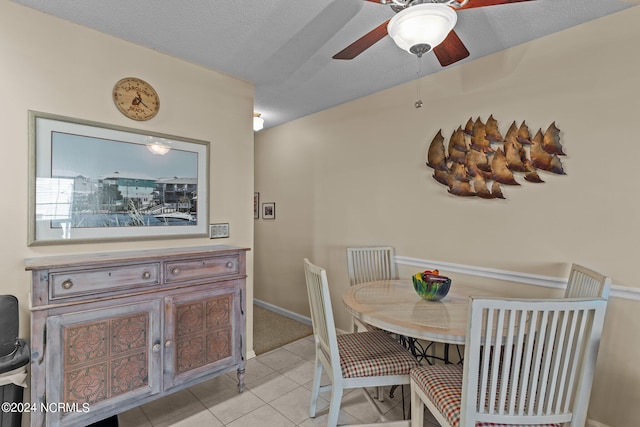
418,103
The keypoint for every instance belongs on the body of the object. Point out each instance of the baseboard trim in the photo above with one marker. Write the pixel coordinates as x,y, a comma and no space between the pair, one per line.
592,423
282,311
511,276
290,314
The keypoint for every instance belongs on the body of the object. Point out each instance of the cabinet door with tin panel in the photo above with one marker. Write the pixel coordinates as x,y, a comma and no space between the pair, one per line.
100,361
203,333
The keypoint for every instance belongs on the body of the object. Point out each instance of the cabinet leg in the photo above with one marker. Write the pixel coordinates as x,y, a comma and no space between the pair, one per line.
240,380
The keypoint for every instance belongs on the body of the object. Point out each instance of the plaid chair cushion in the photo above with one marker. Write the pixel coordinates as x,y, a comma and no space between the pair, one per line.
369,354
442,384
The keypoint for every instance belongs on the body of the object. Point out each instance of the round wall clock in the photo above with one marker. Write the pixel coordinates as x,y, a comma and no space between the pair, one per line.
136,98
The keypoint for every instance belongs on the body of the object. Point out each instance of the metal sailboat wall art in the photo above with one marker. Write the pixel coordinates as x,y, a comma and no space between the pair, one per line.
478,160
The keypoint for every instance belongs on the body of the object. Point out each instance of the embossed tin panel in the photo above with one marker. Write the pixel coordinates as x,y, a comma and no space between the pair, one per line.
112,355
203,332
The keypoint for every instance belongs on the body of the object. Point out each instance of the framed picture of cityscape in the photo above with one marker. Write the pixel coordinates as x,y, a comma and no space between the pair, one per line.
91,182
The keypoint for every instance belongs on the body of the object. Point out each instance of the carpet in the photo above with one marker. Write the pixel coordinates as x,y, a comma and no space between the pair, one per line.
272,330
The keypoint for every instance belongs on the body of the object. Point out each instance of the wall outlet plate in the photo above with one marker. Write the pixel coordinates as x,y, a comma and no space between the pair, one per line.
218,231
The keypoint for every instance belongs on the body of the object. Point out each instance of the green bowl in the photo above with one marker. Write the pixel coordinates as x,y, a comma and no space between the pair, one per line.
433,289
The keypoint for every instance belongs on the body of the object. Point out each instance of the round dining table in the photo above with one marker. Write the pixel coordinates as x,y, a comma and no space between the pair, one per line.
393,305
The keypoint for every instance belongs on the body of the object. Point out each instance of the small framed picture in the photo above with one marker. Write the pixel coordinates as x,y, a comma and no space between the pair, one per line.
269,210
256,205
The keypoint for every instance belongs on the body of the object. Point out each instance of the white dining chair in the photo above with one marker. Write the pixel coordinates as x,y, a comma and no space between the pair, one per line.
353,360
527,362
584,282
366,264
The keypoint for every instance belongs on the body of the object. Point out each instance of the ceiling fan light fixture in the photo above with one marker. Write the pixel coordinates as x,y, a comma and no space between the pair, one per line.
258,122
418,29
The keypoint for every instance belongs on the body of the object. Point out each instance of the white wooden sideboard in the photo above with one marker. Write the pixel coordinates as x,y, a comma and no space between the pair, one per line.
112,331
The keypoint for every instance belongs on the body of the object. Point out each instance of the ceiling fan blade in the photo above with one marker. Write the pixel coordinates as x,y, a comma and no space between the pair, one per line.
363,43
482,3
451,50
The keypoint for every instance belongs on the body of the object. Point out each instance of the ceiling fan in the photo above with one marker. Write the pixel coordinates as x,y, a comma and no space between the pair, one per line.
447,47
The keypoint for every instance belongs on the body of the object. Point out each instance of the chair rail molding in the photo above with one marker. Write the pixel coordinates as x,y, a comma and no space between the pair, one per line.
510,276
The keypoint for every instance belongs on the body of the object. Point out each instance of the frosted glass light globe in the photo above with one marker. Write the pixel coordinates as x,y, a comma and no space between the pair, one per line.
418,29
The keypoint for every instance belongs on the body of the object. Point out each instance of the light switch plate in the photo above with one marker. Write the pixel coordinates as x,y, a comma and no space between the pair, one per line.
218,231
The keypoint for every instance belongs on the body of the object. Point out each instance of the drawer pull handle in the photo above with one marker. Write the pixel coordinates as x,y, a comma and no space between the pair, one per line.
156,348
146,275
229,264
67,284
168,343
175,270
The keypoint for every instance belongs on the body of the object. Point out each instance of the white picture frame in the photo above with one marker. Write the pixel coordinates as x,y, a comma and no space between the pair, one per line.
94,182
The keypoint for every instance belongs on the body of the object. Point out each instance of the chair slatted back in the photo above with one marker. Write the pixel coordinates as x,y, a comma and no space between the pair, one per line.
322,315
530,360
587,283
367,264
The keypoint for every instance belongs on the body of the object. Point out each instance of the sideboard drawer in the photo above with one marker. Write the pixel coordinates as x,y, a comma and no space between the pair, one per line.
87,282
201,268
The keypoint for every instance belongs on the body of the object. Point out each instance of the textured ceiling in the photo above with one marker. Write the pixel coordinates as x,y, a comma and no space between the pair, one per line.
285,47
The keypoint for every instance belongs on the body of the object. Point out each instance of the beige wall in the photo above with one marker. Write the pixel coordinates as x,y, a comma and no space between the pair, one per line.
57,67
355,175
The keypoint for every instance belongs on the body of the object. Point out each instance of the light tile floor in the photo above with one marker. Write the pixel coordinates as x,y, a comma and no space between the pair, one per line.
277,394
